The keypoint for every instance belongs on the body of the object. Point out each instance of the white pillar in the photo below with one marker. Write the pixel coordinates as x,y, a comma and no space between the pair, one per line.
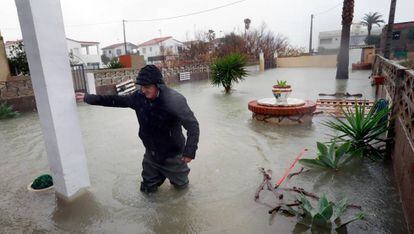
275,55
44,38
90,83
261,61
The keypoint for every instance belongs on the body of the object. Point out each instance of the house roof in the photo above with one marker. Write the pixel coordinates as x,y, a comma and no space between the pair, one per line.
403,25
118,44
154,41
81,42
84,42
12,42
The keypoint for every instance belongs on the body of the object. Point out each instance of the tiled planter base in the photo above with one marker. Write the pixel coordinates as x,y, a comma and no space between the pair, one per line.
283,115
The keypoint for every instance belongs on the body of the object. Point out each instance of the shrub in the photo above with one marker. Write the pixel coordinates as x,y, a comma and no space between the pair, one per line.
228,70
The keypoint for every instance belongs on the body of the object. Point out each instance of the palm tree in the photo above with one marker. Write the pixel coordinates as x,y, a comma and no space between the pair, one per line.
371,19
228,70
343,55
247,22
390,25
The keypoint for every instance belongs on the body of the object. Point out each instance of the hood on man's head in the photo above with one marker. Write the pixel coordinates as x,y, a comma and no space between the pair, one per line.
150,74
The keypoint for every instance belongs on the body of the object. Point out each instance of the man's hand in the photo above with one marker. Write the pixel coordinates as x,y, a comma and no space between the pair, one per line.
79,96
186,159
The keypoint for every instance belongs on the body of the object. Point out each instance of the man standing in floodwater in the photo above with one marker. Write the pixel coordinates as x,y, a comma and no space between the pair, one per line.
161,113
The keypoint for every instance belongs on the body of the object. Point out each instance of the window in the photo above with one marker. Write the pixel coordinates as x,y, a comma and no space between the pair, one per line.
396,35
109,51
325,41
144,50
150,49
84,51
118,51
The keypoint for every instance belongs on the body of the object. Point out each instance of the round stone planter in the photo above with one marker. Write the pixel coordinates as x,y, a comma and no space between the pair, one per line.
281,93
282,115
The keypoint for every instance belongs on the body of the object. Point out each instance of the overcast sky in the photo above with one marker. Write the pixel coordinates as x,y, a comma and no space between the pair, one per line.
290,18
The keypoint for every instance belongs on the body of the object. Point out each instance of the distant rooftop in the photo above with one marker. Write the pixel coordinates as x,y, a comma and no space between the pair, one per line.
81,42
154,41
118,44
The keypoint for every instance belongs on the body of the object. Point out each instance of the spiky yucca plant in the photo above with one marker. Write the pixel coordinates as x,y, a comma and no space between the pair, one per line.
364,130
228,70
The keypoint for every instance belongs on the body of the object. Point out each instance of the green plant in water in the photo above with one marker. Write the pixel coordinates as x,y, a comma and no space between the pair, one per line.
228,70
326,215
364,130
43,181
282,83
332,157
114,64
6,111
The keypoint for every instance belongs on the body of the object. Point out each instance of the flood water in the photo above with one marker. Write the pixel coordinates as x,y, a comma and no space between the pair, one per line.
223,178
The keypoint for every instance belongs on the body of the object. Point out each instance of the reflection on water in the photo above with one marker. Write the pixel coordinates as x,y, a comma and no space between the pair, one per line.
224,175
81,213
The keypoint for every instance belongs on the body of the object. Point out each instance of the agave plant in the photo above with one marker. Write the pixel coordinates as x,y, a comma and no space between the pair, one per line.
332,157
364,130
326,215
281,83
6,111
227,70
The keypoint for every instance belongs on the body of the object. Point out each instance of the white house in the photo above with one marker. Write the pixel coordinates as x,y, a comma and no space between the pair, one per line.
118,49
331,40
80,52
84,52
158,47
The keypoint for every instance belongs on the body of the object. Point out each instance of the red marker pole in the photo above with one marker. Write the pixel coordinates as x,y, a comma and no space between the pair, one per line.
280,181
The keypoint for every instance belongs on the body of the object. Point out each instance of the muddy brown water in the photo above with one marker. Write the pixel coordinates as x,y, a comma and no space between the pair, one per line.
224,175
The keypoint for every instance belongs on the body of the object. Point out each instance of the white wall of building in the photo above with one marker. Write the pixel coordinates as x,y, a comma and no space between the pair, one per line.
119,50
170,45
332,39
83,53
87,54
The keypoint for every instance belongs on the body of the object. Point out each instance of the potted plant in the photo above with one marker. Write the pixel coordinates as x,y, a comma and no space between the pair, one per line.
281,91
41,183
378,80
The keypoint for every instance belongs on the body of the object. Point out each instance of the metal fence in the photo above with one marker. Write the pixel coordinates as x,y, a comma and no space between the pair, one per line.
78,76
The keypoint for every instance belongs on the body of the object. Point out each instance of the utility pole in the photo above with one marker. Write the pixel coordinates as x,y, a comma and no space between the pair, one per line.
125,45
310,37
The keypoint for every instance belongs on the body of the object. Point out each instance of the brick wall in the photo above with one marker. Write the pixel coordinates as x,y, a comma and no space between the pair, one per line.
399,83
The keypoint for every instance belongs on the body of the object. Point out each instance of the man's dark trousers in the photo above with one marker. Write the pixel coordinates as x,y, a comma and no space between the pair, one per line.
155,171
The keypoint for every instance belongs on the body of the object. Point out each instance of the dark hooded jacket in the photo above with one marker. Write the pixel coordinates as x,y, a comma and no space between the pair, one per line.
160,120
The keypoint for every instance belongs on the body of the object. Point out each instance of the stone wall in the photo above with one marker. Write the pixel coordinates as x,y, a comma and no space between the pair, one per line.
105,80
399,83
18,92
115,76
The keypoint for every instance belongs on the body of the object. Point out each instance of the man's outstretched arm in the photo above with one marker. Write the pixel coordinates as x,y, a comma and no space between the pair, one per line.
106,100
